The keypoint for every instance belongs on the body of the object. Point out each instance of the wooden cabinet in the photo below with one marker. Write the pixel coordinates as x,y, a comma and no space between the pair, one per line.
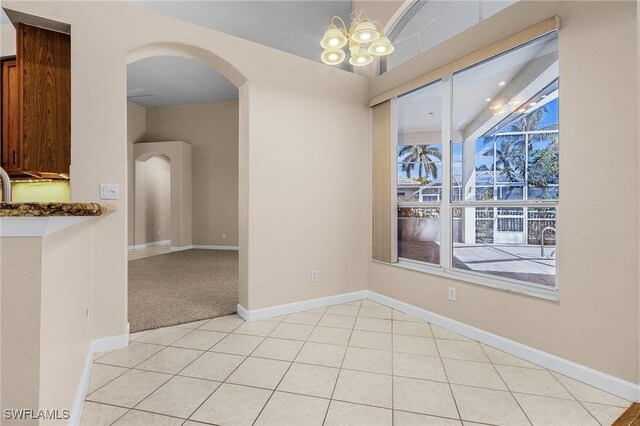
36,105
11,153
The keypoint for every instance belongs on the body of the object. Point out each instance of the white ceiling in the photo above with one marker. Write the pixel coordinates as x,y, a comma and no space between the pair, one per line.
292,26
422,109
172,80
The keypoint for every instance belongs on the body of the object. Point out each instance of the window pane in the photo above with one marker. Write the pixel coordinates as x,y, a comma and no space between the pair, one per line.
419,174
419,153
419,234
505,242
505,126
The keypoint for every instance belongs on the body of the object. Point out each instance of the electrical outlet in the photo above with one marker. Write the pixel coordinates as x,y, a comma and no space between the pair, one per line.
224,236
314,276
453,294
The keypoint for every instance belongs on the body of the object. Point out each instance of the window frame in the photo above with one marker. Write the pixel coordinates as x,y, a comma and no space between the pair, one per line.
446,206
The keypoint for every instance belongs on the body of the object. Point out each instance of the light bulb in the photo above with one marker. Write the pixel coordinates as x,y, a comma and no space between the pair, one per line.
332,56
365,32
361,60
381,47
333,38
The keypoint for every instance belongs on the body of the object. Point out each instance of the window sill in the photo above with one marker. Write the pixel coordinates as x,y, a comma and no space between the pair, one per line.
473,278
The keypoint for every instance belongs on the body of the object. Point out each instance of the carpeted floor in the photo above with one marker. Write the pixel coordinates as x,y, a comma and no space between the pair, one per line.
180,287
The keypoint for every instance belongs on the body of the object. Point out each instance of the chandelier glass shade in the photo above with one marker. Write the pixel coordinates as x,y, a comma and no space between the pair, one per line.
333,38
363,36
333,56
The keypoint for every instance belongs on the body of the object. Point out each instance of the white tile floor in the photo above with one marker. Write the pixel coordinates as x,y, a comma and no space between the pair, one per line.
360,363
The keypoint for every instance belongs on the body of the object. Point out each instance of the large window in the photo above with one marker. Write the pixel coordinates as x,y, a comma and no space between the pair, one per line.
478,186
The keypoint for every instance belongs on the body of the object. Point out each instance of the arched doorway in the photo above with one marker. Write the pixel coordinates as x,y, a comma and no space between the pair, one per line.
152,206
186,232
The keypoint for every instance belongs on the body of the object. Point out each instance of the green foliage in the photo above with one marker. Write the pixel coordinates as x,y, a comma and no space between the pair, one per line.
422,157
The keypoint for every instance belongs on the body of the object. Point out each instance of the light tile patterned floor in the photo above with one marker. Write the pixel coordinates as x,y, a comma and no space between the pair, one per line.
359,363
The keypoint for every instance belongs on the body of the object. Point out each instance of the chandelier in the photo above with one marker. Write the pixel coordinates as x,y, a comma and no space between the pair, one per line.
361,33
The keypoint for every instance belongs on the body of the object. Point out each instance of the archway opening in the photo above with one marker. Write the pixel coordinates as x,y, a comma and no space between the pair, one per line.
183,109
152,207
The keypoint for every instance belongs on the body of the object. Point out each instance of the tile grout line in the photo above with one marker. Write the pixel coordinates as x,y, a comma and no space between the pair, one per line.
229,375
172,375
579,402
288,392
455,402
393,381
164,383
128,368
290,364
506,384
335,385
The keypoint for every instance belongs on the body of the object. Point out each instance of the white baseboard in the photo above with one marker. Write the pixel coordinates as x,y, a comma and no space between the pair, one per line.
96,345
595,378
204,247
147,245
305,305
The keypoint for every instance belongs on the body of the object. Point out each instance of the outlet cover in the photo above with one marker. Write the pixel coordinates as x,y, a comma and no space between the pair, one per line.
109,191
453,294
314,276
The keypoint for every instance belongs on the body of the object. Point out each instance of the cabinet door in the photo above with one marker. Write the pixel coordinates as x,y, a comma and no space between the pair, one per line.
11,147
44,61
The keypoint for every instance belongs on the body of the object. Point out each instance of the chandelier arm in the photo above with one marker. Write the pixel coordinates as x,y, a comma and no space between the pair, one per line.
344,26
357,16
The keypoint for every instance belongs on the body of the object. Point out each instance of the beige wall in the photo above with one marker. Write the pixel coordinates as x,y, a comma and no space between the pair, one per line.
212,131
136,126
46,300
153,200
595,322
21,271
7,40
66,314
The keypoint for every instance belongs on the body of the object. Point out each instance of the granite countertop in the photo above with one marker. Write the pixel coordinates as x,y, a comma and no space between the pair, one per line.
53,209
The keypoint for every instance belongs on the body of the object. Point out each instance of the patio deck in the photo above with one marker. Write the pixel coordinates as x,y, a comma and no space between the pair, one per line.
519,262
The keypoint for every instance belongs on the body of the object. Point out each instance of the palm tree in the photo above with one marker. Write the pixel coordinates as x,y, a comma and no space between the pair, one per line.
509,156
531,122
422,157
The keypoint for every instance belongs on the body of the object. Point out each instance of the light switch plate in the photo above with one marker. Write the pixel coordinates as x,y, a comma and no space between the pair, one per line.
109,191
